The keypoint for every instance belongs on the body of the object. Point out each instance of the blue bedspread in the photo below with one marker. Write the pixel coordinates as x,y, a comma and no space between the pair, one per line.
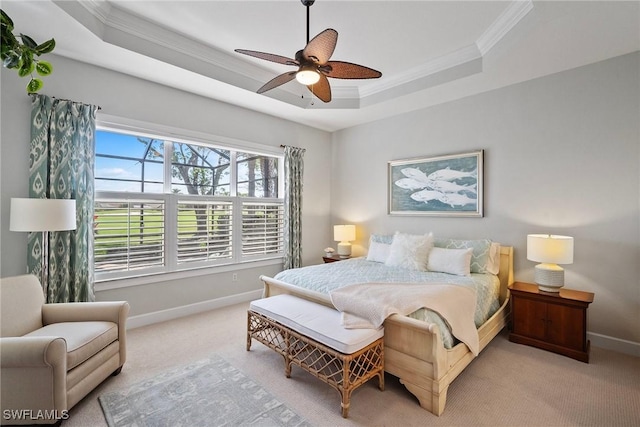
326,277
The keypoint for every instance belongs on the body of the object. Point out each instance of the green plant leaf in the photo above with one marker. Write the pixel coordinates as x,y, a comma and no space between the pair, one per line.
4,50
26,62
28,41
46,47
25,69
34,85
44,68
9,39
6,20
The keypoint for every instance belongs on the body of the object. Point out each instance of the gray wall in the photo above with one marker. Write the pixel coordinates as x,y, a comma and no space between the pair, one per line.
132,98
562,156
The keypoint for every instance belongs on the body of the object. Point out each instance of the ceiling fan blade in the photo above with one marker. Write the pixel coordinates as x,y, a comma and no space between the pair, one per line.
277,81
269,57
347,70
321,47
321,89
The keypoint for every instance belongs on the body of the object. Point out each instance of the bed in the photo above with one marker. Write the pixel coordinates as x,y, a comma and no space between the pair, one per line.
415,351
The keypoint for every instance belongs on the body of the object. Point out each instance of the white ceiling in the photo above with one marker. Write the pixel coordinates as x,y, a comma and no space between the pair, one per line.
429,52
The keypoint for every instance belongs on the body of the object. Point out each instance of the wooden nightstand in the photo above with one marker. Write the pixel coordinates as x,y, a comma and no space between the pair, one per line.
334,258
554,321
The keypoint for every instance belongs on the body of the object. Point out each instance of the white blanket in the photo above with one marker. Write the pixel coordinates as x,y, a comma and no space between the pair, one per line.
367,305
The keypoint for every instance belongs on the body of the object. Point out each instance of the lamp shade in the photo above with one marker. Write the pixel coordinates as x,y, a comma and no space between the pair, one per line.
550,248
344,233
42,214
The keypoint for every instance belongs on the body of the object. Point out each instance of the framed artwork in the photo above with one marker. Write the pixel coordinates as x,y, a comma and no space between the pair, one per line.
448,185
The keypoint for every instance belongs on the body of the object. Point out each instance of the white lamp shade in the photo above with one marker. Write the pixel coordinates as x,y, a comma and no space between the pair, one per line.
550,249
344,233
42,214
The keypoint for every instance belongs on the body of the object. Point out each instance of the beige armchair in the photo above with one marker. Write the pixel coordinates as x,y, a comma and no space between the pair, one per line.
53,355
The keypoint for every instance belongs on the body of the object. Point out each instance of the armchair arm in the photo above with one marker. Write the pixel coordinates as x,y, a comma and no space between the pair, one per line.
34,373
106,311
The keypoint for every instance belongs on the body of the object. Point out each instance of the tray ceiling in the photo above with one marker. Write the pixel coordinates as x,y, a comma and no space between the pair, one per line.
428,51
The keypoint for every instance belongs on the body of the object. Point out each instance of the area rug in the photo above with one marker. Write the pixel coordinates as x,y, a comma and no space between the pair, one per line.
210,392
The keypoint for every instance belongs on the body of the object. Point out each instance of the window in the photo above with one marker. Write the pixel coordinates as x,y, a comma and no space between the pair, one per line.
204,231
129,235
167,204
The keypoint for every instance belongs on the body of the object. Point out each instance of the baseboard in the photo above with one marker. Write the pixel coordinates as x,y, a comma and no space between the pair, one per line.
615,344
187,310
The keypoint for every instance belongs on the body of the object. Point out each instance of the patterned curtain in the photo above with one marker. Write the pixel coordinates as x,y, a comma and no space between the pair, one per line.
293,167
61,165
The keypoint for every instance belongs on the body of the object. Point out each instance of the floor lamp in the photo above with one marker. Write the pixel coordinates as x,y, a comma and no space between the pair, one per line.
43,215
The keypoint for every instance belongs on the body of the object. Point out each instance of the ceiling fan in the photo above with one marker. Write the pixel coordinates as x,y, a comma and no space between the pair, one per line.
313,64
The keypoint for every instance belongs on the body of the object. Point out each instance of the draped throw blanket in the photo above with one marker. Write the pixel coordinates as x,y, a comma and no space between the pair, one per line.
294,168
61,163
367,305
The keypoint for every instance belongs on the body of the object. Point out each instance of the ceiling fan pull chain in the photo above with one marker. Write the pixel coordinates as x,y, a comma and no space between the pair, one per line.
311,102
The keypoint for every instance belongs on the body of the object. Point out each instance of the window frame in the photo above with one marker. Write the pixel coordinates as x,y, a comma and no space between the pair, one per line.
172,270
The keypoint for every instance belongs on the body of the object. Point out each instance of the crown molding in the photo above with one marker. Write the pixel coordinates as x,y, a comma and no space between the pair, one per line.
508,19
99,9
143,29
435,66
115,26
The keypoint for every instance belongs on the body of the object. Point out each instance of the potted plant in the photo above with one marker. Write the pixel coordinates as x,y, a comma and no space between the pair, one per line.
22,54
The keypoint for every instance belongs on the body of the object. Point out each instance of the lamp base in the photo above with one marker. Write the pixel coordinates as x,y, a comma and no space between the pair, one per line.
344,249
549,277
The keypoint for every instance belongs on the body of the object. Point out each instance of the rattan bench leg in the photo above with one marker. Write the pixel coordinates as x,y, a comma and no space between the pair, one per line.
345,404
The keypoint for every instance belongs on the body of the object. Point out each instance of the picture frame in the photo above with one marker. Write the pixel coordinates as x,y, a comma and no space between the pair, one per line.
448,185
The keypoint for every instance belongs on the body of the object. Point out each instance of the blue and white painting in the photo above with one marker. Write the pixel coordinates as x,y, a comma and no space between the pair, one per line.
447,185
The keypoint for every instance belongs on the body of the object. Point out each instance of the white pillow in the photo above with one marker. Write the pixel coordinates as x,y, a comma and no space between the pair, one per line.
493,265
378,252
479,257
451,261
410,251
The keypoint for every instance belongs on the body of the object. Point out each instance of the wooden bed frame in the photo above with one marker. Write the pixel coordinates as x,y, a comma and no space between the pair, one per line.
413,349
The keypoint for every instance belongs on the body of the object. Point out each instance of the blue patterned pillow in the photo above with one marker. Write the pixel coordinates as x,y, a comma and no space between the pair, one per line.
481,250
387,239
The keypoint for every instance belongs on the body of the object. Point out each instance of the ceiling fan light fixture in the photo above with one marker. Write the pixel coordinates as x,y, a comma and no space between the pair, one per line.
307,76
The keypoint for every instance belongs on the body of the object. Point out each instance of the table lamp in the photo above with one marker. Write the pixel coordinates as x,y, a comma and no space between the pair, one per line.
43,215
549,250
344,234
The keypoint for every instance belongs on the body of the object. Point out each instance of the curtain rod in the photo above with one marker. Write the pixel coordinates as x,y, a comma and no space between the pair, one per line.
63,99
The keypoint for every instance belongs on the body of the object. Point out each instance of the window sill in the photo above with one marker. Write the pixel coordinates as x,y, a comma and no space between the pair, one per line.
105,285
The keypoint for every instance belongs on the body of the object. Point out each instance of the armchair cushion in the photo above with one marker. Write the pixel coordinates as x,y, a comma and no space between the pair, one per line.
84,339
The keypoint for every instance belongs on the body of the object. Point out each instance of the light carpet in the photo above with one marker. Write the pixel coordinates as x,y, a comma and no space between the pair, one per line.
508,384
208,392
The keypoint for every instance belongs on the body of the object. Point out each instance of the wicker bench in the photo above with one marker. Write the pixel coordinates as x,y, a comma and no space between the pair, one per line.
311,336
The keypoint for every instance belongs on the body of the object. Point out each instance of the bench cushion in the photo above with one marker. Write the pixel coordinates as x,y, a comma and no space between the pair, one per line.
316,321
